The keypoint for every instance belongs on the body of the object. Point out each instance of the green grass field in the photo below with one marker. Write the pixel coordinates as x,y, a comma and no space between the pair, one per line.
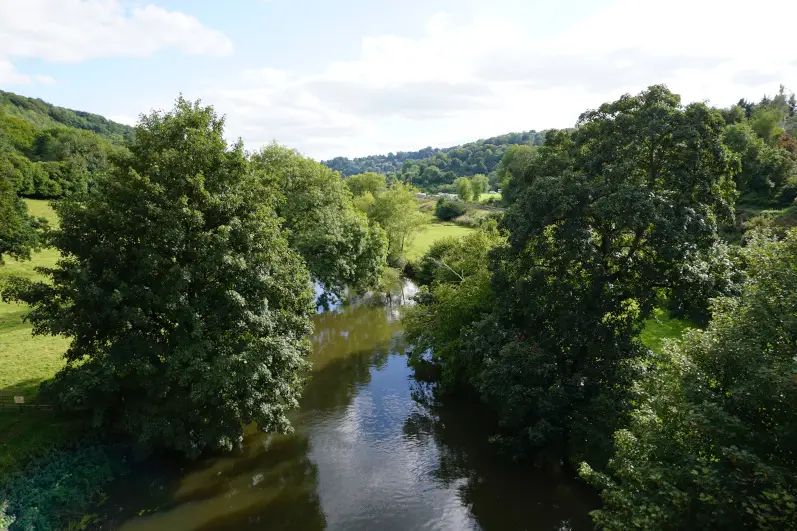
485,197
433,232
661,327
27,360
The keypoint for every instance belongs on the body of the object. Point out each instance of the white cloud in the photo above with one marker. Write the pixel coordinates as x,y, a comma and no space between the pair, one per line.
459,82
78,30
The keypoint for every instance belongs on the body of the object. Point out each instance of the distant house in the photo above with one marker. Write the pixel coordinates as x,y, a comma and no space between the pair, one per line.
448,196
421,195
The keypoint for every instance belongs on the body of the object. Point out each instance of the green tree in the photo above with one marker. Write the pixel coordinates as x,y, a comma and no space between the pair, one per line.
186,308
455,293
20,233
603,218
397,213
341,248
512,169
374,183
713,441
764,168
464,189
480,184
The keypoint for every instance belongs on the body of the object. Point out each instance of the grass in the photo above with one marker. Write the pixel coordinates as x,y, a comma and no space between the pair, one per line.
25,362
485,197
662,327
433,232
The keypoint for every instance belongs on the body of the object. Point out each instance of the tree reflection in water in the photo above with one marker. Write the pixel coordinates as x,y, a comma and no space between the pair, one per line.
500,494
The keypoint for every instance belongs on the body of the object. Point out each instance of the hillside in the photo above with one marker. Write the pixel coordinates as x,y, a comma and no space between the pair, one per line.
47,151
44,115
432,168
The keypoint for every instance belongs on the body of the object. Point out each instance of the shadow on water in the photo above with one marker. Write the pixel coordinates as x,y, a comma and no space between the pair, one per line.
373,449
499,493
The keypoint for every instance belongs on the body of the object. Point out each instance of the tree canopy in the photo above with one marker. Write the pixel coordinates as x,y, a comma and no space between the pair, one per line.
338,243
711,444
186,307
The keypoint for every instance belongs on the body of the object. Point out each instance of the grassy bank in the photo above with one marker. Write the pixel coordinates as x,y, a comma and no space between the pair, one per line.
26,361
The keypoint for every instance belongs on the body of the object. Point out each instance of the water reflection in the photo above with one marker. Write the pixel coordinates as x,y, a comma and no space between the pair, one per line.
373,449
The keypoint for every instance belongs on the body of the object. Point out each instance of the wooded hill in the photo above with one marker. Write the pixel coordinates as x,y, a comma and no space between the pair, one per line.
431,168
47,151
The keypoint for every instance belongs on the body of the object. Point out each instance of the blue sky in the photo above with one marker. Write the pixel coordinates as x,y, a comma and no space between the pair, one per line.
356,77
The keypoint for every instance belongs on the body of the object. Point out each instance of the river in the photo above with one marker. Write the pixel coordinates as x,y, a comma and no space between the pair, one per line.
373,449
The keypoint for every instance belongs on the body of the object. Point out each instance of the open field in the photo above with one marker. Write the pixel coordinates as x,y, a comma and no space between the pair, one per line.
485,197
433,232
27,360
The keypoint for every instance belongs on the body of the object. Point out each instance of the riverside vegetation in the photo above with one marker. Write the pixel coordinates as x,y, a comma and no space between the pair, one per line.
174,298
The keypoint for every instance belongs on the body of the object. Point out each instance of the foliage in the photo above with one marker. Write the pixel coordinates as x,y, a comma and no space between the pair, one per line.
339,245
186,309
464,189
603,218
396,211
712,443
479,184
5,519
50,158
44,115
20,233
764,168
513,166
703,275
446,209
57,488
373,183
430,168
455,292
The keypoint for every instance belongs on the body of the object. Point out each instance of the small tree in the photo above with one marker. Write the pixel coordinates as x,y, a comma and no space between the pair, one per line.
464,189
186,309
19,232
397,213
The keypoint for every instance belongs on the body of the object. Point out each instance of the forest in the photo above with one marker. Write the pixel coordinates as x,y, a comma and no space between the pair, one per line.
184,268
436,170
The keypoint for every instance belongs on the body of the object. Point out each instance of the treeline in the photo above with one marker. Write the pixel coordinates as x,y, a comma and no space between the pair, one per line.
48,151
541,317
431,169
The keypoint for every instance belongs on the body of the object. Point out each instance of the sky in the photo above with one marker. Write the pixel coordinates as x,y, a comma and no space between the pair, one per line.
360,77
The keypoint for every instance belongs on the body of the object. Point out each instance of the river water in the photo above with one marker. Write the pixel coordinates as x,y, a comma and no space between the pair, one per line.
373,449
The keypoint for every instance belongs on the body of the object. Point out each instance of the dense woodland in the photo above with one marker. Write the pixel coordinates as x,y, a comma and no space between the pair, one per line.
187,265
436,169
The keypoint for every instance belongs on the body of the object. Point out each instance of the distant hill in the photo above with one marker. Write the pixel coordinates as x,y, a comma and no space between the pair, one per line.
49,151
432,168
44,115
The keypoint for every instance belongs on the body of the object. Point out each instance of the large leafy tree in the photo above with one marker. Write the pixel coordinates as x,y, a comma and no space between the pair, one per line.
186,308
341,248
713,441
19,232
603,219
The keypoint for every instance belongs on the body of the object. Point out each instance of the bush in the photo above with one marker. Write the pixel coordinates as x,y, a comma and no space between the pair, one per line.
56,489
446,210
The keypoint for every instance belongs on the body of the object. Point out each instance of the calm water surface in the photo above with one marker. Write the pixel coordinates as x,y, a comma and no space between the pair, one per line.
372,450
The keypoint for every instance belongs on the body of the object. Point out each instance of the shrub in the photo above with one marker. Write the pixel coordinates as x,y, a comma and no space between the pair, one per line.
446,210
